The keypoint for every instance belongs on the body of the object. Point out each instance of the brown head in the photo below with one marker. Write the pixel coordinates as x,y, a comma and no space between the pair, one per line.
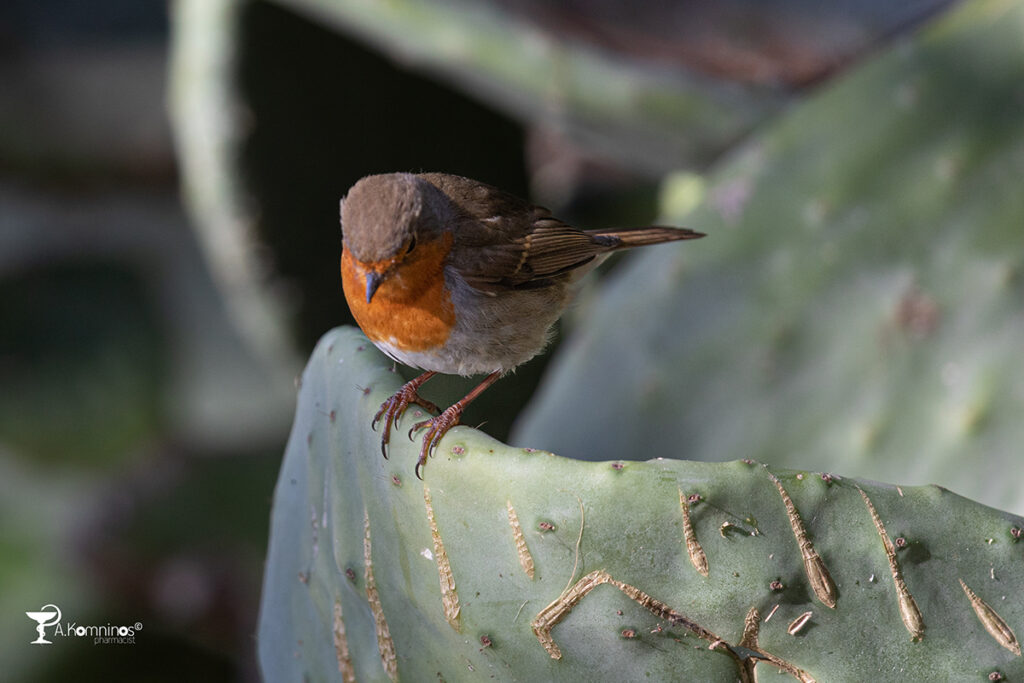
384,217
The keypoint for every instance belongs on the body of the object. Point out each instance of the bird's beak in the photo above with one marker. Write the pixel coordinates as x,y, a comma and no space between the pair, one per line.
373,280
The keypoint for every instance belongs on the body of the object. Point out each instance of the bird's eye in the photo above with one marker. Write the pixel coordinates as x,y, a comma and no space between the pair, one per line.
412,245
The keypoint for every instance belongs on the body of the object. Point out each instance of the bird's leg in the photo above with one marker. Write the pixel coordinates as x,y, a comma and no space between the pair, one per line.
393,408
438,426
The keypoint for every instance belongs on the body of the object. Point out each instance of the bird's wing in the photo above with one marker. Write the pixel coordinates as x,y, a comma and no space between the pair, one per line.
503,242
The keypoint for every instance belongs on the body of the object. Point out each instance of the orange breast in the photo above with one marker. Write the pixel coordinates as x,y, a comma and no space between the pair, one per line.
412,309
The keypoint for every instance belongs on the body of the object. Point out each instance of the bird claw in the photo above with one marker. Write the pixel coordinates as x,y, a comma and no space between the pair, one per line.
436,428
415,428
392,410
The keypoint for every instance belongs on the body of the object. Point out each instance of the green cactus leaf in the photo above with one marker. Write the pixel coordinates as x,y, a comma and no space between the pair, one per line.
857,304
504,557
624,106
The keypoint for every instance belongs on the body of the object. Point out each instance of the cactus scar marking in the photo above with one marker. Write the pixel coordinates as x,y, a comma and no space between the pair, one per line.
798,624
814,566
525,558
348,672
751,630
909,612
385,645
449,597
748,650
693,547
557,610
324,505
992,622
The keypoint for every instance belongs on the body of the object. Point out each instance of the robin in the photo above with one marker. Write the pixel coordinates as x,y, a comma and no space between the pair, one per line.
447,274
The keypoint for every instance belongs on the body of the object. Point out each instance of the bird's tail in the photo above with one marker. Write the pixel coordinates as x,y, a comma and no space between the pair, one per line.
627,238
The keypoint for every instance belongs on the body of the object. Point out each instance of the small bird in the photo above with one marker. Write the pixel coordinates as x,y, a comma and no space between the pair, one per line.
447,274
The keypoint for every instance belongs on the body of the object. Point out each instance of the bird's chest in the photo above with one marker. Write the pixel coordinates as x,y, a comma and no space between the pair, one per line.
412,309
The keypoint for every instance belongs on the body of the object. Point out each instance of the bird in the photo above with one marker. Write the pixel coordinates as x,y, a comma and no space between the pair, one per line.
450,275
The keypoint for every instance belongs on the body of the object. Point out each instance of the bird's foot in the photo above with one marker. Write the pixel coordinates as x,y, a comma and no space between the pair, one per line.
392,409
436,428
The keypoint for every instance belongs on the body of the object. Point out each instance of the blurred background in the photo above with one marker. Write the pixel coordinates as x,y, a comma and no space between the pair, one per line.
169,242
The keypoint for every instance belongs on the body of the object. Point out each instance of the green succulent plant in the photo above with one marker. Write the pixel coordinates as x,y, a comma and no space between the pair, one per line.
857,304
515,564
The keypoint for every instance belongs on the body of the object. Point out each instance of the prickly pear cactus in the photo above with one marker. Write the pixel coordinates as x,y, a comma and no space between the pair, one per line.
511,564
858,302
